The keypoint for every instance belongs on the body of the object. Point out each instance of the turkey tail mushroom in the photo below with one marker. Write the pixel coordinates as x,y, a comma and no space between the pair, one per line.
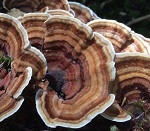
35,27
13,36
118,33
26,61
132,84
11,88
82,12
138,45
75,89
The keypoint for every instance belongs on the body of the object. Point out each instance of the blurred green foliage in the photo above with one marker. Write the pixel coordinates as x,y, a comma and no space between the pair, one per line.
123,11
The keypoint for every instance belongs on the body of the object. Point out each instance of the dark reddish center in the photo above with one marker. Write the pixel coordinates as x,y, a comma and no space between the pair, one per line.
56,81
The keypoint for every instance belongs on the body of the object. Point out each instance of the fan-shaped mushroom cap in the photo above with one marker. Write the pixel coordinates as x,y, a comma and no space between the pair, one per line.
10,89
14,43
33,58
118,33
13,36
83,13
138,45
116,113
132,81
35,27
80,67
134,74
147,40
14,40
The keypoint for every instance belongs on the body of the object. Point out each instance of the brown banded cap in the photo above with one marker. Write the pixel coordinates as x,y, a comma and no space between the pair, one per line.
132,83
138,45
25,62
117,33
82,12
75,89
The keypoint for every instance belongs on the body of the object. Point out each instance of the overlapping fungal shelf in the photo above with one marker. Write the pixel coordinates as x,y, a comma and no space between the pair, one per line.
132,83
88,65
138,45
76,88
133,76
35,27
10,89
29,6
118,33
82,12
14,44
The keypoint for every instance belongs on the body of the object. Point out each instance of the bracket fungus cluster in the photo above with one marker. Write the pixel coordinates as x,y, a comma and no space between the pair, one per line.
29,6
82,65
76,89
14,44
76,65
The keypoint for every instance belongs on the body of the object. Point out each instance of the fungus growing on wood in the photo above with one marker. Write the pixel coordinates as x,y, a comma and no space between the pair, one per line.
132,83
80,68
118,33
82,12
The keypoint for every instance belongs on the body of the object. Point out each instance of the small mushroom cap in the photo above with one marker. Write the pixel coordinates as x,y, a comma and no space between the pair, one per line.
13,36
35,27
83,13
138,45
76,89
133,72
132,83
8,106
10,99
147,40
53,122
33,58
116,113
118,33
18,82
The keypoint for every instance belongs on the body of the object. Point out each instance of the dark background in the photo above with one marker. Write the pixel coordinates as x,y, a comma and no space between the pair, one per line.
123,11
